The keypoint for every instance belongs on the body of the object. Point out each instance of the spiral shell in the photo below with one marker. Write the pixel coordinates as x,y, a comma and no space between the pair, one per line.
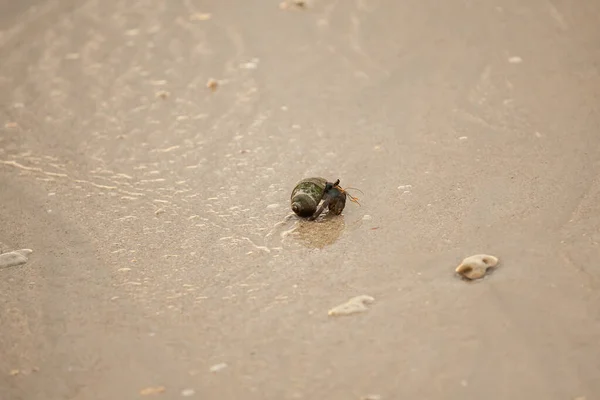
306,196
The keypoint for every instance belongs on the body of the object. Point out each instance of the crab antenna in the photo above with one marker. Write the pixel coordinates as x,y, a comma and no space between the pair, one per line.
353,188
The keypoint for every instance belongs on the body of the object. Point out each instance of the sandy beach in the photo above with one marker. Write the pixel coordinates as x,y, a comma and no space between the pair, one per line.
148,150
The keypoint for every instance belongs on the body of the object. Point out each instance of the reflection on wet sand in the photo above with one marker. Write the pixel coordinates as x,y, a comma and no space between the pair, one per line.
318,235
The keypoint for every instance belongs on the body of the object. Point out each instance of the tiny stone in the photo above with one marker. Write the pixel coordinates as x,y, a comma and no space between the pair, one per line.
252,64
152,390
463,138
188,392
218,367
515,60
163,94
212,84
200,16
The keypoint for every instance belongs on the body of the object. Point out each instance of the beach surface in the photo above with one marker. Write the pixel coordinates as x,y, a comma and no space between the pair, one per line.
148,150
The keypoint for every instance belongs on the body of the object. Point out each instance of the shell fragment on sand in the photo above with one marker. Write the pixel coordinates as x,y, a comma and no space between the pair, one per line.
13,258
475,267
152,390
212,84
371,397
354,305
218,367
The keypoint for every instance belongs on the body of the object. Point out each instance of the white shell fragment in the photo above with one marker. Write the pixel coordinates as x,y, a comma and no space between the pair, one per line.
515,60
354,305
13,258
218,367
188,392
371,397
475,267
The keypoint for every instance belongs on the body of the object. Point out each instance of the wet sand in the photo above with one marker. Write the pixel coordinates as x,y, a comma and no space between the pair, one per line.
164,262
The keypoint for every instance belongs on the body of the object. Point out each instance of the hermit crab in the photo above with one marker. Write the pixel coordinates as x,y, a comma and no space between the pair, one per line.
309,192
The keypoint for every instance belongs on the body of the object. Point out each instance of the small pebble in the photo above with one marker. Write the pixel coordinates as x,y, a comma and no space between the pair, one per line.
475,267
515,60
354,305
152,390
218,367
162,94
371,397
463,138
252,64
212,84
188,392
200,17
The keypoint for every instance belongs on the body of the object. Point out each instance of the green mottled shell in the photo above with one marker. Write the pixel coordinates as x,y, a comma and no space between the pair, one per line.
306,196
